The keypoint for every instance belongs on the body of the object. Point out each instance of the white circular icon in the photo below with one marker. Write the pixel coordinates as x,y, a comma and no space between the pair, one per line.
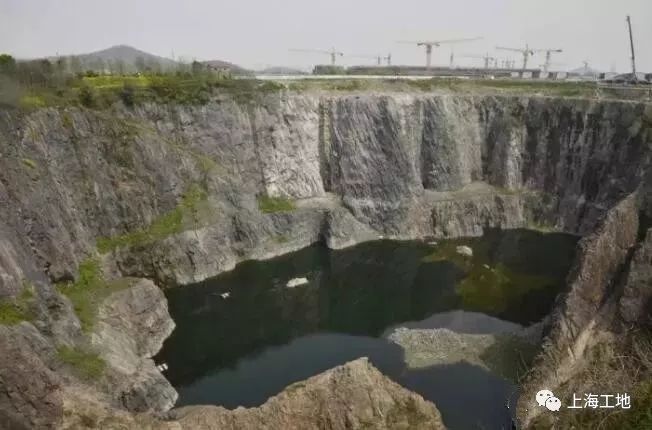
542,396
553,404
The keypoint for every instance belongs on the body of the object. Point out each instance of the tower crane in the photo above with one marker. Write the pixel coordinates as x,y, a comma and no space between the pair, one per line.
333,53
430,43
527,52
549,52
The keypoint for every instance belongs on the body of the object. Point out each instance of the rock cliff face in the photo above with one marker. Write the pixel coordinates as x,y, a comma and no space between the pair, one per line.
177,194
72,176
132,325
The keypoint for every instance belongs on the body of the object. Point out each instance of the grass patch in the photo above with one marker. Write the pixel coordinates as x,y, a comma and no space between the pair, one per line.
621,365
16,310
88,292
32,101
186,214
89,365
30,163
269,205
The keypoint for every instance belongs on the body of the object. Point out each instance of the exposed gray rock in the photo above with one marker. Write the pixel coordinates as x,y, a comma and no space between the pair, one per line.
132,325
589,307
637,296
351,396
498,352
30,392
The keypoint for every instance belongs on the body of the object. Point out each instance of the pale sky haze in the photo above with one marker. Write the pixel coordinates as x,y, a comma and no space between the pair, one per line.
259,33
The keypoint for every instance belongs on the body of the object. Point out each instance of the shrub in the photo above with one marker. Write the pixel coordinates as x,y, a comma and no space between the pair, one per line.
128,95
86,96
32,102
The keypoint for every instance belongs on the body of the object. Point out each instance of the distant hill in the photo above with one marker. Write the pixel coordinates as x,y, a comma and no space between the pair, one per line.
131,58
129,55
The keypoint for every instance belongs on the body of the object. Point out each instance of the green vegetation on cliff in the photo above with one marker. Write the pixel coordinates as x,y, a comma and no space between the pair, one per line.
16,310
268,204
89,290
185,215
89,365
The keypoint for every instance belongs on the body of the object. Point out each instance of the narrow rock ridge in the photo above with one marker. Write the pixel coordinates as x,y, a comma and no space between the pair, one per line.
607,272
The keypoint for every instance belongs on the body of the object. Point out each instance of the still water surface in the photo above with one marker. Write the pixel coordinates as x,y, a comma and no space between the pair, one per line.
242,350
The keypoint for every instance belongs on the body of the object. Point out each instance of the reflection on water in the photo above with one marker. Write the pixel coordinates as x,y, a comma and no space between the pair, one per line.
242,350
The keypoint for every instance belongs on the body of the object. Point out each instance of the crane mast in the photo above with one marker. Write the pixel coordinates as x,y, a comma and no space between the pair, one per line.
631,43
546,65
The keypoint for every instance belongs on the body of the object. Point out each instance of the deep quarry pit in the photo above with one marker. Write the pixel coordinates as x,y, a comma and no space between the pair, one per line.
102,210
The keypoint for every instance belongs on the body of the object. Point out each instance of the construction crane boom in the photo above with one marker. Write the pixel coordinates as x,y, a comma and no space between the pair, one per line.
430,43
333,53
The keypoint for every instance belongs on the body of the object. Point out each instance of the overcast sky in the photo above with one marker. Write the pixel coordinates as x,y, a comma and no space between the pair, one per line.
259,33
